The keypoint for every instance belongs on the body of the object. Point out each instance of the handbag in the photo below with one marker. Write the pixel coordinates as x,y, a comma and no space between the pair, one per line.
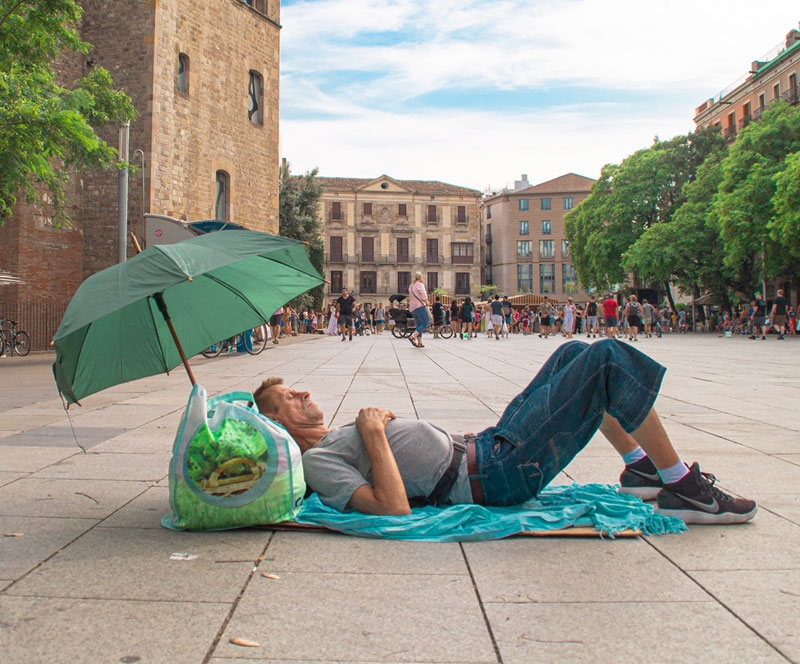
231,467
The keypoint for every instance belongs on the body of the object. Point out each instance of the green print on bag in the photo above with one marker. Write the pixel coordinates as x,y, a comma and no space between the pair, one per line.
232,467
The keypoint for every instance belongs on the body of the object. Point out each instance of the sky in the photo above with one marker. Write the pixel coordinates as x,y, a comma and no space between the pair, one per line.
477,92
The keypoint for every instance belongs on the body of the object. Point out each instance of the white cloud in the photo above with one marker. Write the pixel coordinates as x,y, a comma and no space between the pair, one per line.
361,64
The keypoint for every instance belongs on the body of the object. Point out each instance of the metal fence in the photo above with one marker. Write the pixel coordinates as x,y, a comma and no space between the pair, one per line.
39,319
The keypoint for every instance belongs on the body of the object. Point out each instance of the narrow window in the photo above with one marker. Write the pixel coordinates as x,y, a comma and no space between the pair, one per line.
402,210
337,255
402,250
255,98
523,204
547,227
336,211
776,91
461,214
462,283
565,248
183,73
523,248
523,228
369,282
432,251
367,209
368,249
221,200
431,214
433,281
546,249
403,281
568,202
545,204
488,211
547,278
336,281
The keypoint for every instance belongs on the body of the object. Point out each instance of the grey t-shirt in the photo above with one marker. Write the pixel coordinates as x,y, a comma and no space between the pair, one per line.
339,464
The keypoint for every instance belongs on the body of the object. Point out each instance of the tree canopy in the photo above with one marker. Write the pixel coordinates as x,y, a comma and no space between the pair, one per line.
695,212
299,220
47,125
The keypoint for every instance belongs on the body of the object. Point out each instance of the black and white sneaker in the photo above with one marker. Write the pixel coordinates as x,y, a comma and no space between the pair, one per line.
695,499
641,479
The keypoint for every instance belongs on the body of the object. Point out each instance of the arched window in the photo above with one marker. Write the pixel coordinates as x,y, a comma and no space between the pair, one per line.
221,202
255,98
183,73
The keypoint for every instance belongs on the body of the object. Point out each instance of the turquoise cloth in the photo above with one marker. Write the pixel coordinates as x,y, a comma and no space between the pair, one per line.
557,507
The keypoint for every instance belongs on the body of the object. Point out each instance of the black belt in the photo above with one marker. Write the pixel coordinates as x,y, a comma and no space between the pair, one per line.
446,481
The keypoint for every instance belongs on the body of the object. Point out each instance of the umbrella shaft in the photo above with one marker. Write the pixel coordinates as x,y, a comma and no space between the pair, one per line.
162,307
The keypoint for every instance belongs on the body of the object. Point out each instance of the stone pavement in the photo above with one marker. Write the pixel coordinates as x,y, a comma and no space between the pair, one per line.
90,577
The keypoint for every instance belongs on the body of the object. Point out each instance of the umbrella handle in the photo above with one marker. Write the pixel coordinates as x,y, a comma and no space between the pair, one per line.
162,307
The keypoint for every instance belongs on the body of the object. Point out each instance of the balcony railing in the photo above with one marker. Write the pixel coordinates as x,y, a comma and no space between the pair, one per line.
462,260
791,95
336,219
729,132
746,120
336,258
432,259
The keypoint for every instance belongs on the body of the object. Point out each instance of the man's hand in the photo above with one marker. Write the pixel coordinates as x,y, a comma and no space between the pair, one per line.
387,495
372,419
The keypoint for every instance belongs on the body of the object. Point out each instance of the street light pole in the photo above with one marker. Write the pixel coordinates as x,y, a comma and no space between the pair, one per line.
122,193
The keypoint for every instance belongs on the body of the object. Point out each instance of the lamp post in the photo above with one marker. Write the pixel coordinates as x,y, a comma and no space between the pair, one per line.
122,193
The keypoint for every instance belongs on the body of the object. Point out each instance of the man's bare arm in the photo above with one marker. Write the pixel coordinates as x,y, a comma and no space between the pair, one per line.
387,495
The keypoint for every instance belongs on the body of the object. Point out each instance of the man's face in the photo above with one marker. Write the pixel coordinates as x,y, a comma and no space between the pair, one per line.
344,292
293,408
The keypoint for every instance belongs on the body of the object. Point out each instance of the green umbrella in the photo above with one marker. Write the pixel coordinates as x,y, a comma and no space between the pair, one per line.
144,316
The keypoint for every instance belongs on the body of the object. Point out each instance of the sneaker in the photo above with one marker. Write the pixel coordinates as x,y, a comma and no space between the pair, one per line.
695,499
763,338
344,338
351,337
641,479
752,336
780,337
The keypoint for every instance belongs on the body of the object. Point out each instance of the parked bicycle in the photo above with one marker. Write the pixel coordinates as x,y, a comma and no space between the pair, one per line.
402,329
13,340
254,345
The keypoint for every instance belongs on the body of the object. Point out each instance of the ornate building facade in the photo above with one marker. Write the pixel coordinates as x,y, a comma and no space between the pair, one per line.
379,232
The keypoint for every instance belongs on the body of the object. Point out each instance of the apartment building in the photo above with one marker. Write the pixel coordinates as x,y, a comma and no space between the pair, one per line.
204,78
526,250
772,76
379,232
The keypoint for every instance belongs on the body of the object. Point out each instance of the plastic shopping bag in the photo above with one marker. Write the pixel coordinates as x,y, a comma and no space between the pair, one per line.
231,466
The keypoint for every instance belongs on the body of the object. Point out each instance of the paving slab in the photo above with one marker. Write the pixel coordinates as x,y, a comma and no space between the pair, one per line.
71,499
93,466
361,617
138,564
627,632
39,538
42,630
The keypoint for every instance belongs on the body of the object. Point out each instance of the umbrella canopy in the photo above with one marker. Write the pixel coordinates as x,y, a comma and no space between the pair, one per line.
397,297
213,286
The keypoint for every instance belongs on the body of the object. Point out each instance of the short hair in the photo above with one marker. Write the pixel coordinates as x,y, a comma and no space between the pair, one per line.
418,276
262,397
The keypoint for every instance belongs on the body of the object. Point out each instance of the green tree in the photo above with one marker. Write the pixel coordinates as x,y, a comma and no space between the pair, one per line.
299,220
785,225
47,128
744,202
626,202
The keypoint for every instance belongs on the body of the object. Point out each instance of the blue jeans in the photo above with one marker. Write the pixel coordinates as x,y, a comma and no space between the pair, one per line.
421,319
557,414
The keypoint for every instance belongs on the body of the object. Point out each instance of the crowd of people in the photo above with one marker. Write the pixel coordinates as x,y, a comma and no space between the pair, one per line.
629,318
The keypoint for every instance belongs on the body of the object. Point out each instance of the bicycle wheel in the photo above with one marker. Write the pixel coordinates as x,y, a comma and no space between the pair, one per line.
258,340
445,331
399,331
22,344
212,351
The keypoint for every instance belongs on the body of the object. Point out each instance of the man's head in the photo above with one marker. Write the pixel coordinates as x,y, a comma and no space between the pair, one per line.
291,408
496,297
545,297
345,292
780,292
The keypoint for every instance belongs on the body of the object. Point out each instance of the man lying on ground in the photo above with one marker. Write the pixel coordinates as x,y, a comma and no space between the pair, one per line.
385,465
